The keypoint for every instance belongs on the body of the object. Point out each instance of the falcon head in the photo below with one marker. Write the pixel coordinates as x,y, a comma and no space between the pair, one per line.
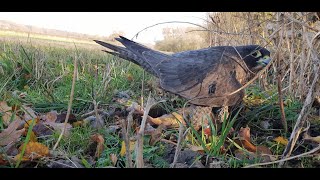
255,57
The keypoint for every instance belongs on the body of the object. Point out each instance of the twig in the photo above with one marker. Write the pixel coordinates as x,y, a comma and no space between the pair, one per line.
70,101
178,148
304,111
283,115
168,22
286,159
139,144
99,121
125,133
167,141
91,113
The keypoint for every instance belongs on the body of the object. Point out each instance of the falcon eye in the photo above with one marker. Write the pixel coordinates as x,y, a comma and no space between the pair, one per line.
256,54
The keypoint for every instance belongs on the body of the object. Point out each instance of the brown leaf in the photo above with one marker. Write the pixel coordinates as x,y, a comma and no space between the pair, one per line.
41,129
6,112
29,113
59,127
100,144
263,150
244,140
27,124
3,160
34,150
11,135
33,137
310,138
247,145
114,159
253,156
51,116
244,133
169,120
195,148
156,135
61,118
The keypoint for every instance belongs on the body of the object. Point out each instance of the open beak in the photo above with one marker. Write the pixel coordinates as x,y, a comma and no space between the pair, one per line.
264,61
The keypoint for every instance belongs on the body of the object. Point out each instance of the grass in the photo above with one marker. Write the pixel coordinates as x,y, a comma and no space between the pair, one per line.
44,73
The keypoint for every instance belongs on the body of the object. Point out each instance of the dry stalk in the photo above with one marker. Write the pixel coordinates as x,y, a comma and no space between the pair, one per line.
75,70
286,159
125,133
139,143
178,147
304,111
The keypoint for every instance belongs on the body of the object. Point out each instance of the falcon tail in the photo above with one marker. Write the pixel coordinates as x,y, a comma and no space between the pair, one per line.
136,53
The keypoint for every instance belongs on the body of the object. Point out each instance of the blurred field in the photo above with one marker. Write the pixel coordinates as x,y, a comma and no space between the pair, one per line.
44,40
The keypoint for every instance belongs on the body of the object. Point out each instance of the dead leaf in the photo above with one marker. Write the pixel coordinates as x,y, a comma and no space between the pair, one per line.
195,148
281,140
26,125
246,155
59,127
3,161
263,150
156,135
11,135
246,145
169,120
34,150
28,113
114,159
6,112
42,130
33,137
244,133
307,137
123,147
100,144
61,118
51,116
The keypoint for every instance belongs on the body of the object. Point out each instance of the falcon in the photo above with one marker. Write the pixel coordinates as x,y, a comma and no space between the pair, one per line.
205,77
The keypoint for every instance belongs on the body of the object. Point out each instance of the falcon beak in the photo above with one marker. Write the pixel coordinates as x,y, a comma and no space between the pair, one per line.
264,61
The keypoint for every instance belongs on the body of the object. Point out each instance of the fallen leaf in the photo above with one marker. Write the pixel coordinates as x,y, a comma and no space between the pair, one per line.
246,145
243,155
195,148
51,116
3,161
123,147
169,120
34,150
114,159
61,118
59,127
28,113
156,135
245,133
244,140
26,125
5,110
33,137
100,144
263,150
41,129
11,134
307,137
281,140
